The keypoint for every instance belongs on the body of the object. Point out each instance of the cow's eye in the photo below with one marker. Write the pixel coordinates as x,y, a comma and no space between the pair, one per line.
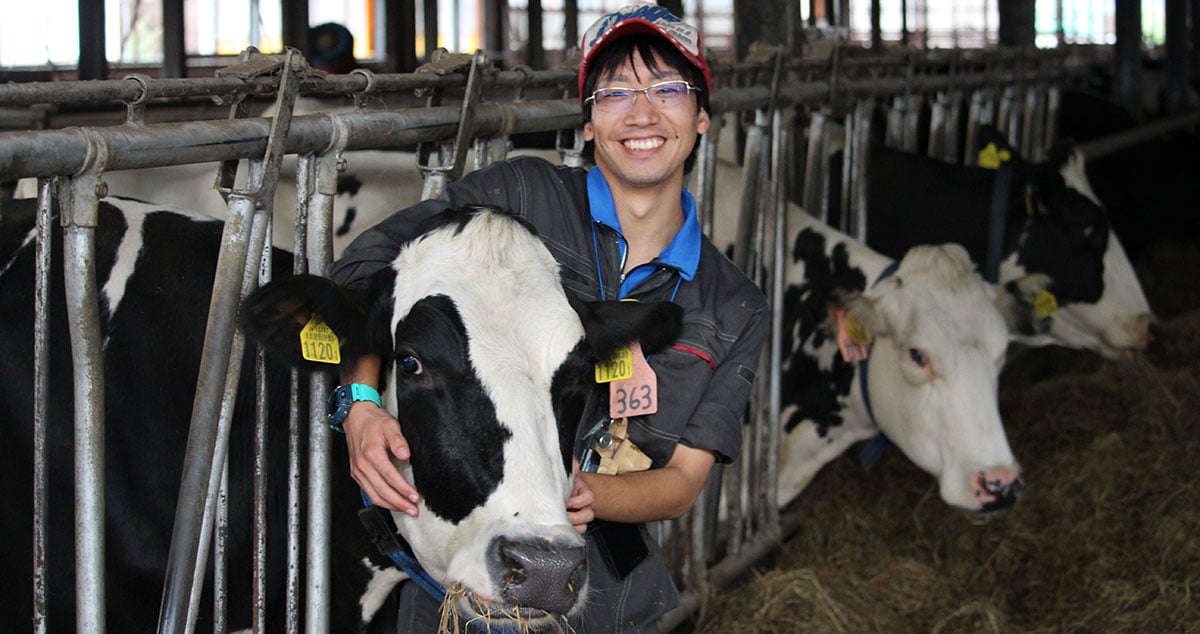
918,357
410,365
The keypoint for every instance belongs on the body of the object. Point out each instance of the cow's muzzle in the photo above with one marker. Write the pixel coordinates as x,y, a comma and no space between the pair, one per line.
539,573
997,488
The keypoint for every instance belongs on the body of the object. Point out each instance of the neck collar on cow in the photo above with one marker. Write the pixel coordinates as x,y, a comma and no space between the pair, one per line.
382,532
683,252
877,445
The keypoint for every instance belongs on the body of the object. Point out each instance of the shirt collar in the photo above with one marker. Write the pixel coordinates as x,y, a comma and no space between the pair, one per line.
683,253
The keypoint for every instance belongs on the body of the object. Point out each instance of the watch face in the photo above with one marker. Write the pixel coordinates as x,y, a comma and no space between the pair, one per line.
338,405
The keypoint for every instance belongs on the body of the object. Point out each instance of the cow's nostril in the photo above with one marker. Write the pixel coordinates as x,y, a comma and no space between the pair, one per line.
539,573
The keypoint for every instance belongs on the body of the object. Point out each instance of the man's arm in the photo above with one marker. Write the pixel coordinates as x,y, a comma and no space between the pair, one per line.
657,494
371,433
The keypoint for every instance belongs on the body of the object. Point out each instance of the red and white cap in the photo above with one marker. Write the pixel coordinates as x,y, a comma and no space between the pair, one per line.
643,18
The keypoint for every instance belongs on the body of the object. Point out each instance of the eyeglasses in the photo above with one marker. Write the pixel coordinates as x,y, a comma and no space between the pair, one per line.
664,94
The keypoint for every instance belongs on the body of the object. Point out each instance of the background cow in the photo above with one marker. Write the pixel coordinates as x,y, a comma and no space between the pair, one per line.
1053,224
155,267
930,381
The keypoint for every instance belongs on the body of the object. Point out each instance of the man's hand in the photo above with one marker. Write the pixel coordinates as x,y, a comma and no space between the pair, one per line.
371,433
579,506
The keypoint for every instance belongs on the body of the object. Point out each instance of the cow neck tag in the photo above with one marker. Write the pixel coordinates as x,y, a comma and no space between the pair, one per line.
319,343
1044,303
618,368
638,394
852,340
991,157
617,452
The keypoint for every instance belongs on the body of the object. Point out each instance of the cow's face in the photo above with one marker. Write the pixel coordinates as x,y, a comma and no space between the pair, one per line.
1066,235
487,366
473,368
939,345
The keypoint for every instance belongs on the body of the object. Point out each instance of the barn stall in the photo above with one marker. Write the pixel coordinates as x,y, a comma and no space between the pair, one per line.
782,115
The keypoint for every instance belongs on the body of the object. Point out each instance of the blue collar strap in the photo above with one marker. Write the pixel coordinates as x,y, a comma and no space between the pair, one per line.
997,218
877,445
682,254
382,533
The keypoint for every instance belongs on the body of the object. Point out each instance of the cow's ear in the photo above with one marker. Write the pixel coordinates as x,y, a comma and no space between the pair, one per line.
1026,303
273,315
863,311
610,325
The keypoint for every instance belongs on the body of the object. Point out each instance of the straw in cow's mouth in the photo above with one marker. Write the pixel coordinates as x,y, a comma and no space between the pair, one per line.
460,602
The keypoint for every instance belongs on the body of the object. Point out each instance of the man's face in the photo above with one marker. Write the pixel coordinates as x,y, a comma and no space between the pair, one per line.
646,146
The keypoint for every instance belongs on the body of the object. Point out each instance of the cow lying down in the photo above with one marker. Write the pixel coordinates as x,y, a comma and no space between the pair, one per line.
1052,223
924,340
487,364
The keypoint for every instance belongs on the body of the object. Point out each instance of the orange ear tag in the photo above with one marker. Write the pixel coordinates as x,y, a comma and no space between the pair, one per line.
638,394
851,339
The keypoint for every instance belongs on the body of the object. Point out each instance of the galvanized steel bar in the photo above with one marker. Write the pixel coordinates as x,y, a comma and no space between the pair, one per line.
54,152
202,436
41,390
126,90
815,167
80,215
320,442
220,363
1113,143
780,141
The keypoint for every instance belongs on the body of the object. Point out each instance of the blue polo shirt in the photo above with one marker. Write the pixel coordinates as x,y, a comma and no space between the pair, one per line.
682,254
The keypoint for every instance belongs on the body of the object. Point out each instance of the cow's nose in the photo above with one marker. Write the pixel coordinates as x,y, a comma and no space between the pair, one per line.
539,573
997,488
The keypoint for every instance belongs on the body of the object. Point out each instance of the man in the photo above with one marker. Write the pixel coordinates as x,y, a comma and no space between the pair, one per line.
626,228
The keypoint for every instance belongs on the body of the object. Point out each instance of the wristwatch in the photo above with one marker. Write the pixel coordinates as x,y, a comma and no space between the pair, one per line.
342,397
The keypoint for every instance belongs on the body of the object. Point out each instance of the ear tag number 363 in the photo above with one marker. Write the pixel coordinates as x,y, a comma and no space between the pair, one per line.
319,343
632,384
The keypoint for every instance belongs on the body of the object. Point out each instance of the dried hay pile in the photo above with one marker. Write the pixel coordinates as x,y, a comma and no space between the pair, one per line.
1105,539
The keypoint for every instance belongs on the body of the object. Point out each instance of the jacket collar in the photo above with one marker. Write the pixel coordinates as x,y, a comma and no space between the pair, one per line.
682,254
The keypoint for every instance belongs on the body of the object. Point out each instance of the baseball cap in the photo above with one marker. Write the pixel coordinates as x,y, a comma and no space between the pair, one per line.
643,18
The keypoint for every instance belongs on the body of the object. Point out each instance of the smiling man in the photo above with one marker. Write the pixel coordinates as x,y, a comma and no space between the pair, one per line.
625,229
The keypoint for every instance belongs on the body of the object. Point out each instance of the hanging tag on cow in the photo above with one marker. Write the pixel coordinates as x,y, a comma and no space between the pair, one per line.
319,343
638,394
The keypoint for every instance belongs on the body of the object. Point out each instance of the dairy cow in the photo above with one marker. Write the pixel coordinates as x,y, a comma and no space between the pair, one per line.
488,365
924,340
1052,223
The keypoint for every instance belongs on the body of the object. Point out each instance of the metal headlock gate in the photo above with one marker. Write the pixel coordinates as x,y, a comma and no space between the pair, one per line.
791,113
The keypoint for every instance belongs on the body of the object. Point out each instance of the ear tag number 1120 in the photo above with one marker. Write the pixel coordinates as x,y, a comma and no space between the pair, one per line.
319,343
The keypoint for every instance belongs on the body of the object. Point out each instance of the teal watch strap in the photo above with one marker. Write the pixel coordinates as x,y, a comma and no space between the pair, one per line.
363,392
343,397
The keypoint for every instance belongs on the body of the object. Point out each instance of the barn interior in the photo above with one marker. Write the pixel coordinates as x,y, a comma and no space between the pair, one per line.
1102,539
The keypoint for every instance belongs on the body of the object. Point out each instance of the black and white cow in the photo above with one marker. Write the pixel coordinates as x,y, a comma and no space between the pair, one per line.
929,380
1053,224
477,346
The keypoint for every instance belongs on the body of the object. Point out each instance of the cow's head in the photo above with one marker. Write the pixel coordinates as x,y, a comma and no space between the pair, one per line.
1058,227
938,344
487,366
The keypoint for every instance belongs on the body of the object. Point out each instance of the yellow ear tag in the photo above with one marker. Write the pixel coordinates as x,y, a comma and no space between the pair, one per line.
857,333
1044,303
619,368
319,343
991,157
